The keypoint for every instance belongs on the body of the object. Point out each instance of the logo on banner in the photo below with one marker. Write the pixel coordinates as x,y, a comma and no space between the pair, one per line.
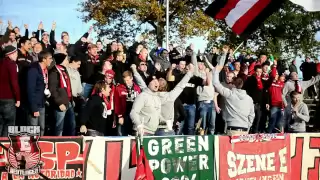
24,152
257,137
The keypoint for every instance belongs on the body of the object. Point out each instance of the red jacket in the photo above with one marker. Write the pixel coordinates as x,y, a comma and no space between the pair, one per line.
120,98
275,93
9,86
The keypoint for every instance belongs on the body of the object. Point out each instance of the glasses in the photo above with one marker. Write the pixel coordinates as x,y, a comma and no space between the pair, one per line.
143,64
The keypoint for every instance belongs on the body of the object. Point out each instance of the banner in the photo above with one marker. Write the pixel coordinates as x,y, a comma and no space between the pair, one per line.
253,160
108,158
305,156
62,158
180,157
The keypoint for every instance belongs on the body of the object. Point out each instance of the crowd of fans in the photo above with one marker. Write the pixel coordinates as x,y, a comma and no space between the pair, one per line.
112,90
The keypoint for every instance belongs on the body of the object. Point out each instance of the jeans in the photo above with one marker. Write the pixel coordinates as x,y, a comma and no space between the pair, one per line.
189,122
38,121
208,115
275,119
126,128
65,122
7,115
87,90
164,132
94,133
256,121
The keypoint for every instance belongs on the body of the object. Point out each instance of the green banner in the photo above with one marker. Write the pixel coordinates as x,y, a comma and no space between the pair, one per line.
181,157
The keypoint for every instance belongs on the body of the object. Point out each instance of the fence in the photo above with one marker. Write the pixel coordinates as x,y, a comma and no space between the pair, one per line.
288,157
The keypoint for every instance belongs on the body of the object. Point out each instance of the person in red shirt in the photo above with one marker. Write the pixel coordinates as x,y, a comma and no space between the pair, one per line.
9,89
275,104
124,97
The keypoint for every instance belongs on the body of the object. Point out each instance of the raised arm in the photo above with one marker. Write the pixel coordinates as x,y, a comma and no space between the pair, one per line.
312,81
138,77
225,92
174,94
195,63
53,42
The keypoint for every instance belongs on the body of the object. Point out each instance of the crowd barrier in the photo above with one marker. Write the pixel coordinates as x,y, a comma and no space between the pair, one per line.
292,157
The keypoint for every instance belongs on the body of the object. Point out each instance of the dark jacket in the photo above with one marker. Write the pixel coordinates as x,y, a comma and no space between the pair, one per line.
88,68
59,94
35,88
92,117
23,62
293,68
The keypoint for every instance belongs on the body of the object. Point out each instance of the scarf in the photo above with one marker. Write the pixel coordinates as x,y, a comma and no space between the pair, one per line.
297,86
94,59
64,80
45,77
259,82
265,76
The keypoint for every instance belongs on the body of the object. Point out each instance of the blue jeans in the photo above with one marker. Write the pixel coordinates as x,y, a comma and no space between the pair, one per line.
7,115
38,121
189,122
65,122
164,132
87,90
208,115
275,119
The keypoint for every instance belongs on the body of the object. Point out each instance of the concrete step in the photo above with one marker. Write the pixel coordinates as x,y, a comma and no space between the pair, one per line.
309,101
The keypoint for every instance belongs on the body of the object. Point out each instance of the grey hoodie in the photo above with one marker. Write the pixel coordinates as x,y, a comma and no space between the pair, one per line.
239,107
289,86
299,119
146,110
167,98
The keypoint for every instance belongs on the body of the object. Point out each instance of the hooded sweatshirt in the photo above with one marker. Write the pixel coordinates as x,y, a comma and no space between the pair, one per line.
167,98
239,107
298,121
146,110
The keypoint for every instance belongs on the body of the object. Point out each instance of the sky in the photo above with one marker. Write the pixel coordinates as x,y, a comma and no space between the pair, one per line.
63,12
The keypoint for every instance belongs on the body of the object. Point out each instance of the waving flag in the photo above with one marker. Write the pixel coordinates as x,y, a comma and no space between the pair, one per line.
243,16
309,5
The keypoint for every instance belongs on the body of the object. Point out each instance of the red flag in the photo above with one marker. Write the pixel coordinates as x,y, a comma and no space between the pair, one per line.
143,171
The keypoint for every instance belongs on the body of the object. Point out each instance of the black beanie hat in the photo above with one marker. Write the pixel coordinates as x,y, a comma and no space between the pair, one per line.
9,50
59,58
149,79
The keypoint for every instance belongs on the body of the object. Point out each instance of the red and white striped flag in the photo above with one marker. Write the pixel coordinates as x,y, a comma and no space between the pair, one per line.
243,16
308,5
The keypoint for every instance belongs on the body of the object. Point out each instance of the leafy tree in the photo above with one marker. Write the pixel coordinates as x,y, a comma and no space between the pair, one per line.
288,32
124,19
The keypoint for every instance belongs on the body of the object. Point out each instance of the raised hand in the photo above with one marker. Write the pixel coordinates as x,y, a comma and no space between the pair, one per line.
26,26
90,29
40,26
10,25
133,66
54,25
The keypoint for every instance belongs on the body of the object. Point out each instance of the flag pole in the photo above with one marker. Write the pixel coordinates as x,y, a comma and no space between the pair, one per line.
167,23
238,47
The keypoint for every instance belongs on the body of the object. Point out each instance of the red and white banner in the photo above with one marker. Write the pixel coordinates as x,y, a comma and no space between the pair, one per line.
305,156
252,160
